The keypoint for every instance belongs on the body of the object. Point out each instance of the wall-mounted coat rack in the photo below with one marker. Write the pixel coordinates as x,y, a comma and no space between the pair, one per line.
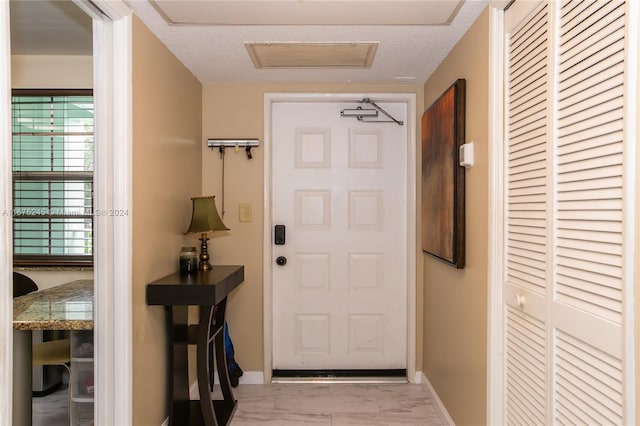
222,144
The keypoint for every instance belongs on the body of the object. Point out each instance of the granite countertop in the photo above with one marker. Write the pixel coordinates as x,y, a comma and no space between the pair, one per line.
65,307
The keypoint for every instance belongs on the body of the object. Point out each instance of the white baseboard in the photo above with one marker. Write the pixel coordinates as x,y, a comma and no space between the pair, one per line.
445,418
252,378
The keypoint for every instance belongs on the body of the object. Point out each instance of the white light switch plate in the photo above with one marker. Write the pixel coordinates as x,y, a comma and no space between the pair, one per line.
244,213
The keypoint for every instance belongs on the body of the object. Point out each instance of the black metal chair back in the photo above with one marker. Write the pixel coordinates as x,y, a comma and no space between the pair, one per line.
22,285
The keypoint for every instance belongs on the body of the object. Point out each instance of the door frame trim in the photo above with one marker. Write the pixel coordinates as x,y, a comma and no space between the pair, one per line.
495,320
112,273
410,100
6,226
113,329
112,62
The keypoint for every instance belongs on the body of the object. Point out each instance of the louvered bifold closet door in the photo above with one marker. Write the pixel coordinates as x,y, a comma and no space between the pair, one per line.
526,210
565,249
588,253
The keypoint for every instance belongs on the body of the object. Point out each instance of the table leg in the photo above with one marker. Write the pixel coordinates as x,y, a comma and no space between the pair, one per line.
211,327
221,357
177,328
203,369
22,371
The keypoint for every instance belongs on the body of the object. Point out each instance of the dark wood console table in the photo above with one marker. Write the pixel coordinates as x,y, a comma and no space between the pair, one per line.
209,291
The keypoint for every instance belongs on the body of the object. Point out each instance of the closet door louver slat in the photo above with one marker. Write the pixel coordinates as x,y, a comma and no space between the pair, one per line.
588,250
589,383
526,369
526,259
580,174
527,118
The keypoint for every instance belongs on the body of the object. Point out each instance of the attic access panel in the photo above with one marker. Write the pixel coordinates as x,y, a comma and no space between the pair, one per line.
312,55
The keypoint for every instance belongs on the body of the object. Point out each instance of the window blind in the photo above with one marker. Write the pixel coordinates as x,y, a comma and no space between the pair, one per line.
52,139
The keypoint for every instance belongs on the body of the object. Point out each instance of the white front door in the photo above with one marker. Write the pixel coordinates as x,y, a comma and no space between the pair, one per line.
339,186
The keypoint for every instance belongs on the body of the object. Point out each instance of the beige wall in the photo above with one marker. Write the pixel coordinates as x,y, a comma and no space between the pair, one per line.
236,111
167,128
455,301
51,72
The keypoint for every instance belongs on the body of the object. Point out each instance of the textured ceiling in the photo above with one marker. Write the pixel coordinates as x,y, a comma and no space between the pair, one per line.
217,53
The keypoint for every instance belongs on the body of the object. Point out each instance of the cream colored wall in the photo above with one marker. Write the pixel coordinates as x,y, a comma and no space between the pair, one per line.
455,301
167,129
51,72
236,111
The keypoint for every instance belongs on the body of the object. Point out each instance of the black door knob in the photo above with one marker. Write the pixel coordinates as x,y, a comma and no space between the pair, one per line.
281,260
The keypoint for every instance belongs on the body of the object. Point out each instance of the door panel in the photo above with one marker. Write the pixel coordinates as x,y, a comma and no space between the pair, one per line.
340,188
527,272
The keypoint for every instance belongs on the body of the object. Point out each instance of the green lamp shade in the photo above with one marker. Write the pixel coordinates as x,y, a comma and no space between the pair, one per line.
205,217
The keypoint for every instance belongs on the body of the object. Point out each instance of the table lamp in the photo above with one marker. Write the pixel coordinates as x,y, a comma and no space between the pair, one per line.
204,219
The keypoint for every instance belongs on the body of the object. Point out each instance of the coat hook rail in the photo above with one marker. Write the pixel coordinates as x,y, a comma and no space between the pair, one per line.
217,143
221,144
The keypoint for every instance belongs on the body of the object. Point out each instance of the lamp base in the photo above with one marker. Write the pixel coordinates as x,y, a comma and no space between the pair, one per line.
204,264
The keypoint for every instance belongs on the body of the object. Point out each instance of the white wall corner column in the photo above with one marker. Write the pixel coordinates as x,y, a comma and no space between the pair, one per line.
112,45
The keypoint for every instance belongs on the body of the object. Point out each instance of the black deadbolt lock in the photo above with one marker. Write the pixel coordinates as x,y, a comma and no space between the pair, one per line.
279,235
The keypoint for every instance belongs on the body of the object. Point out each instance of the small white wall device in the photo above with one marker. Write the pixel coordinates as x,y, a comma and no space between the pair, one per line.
466,155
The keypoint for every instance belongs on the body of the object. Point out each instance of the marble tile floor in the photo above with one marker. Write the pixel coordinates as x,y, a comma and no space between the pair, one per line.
334,404
51,410
302,404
